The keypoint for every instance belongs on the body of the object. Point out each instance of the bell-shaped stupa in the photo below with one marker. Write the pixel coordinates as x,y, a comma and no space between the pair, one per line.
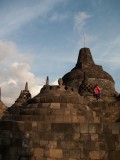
85,67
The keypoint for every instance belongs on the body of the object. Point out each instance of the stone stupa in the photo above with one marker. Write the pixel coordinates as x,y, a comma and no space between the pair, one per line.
95,74
60,124
3,107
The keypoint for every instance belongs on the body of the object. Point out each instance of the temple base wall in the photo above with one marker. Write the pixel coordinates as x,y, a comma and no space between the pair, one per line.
33,140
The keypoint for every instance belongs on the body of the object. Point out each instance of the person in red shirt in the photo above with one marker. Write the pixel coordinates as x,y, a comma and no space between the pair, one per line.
97,90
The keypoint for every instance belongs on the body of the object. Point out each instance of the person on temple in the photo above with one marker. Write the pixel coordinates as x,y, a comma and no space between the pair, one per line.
97,91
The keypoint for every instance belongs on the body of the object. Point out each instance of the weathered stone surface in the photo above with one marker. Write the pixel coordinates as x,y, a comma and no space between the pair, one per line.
61,124
3,108
56,153
83,128
64,141
38,152
95,74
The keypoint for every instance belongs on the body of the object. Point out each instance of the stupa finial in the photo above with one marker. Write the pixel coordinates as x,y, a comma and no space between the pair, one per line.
0,94
84,38
26,86
47,80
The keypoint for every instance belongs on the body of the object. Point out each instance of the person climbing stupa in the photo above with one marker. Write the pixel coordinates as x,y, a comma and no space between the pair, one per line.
97,91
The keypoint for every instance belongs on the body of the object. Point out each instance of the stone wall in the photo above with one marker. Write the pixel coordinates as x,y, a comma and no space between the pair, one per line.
32,140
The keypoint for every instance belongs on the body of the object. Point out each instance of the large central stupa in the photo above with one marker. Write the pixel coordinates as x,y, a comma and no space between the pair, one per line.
85,67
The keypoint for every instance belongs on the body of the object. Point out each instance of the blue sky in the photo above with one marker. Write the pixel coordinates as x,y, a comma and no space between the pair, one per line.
40,38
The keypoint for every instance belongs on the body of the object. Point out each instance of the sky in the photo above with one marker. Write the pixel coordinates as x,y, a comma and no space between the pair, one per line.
40,38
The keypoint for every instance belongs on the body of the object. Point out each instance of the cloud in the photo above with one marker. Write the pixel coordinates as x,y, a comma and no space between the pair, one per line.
4,47
58,17
18,14
55,82
80,20
15,72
